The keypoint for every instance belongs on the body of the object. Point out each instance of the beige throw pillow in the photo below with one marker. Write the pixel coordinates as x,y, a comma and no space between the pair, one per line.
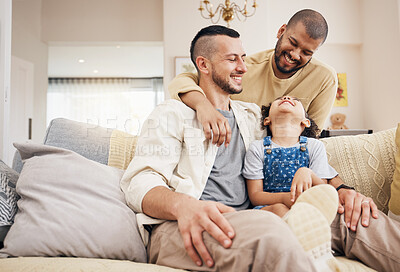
71,206
366,162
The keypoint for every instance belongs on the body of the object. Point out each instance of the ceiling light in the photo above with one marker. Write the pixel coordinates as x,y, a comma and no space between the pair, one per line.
95,71
81,60
227,11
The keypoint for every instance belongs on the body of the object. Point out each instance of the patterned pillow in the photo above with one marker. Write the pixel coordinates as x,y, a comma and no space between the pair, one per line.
366,162
8,198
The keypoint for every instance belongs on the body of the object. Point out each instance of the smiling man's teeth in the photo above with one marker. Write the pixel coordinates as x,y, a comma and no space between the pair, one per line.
288,59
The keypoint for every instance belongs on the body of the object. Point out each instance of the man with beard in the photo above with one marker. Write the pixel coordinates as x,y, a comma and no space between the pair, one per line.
289,69
192,192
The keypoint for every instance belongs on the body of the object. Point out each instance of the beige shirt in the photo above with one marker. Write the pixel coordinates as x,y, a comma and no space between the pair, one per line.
173,152
315,85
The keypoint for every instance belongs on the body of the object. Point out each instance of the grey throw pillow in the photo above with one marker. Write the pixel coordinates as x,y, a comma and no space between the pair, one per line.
71,206
8,198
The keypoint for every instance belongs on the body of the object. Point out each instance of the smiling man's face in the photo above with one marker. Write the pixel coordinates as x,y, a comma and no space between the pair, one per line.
293,50
228,64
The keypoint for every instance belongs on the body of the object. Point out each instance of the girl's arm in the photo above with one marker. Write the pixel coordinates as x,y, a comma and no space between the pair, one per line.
259,197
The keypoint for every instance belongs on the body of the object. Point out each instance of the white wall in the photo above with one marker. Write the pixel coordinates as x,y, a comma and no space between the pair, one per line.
346,58
380,59
27,45
341,50
102,20
5,68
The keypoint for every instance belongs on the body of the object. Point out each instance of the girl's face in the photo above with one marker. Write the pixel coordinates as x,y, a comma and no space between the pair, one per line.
286,106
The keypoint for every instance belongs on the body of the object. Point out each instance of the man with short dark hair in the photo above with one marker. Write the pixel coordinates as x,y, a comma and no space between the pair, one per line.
192,192
289,69
197,189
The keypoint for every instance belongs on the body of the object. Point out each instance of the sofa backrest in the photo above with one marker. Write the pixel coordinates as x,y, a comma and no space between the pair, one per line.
88,140
366,162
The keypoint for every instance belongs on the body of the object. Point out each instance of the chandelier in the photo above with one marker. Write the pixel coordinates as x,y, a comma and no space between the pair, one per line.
227,11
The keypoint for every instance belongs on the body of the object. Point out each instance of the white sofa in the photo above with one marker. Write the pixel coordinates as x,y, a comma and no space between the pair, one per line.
363,161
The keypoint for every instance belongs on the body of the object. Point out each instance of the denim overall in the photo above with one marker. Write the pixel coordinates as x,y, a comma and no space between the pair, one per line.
280,165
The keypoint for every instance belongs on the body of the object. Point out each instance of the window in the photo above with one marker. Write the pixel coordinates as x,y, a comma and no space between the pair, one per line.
118,103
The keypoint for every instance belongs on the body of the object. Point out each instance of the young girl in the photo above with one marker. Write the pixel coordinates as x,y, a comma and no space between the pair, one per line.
288,161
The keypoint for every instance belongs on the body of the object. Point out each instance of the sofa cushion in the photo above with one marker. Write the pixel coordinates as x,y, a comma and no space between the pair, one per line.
62,264
88,140
71,206
8,198
394,203
365,162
